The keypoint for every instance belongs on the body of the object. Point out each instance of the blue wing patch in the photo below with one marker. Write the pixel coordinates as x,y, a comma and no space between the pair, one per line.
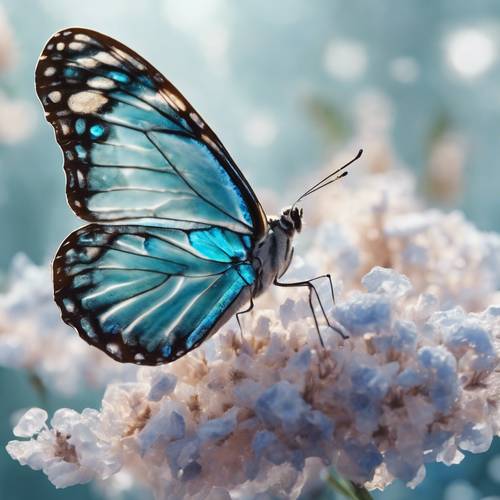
148,295
166,261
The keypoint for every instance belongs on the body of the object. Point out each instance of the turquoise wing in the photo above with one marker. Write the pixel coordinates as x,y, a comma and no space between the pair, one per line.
166,259
133,147
148,295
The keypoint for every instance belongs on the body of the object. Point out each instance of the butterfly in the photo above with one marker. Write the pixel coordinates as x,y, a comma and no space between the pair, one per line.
177,241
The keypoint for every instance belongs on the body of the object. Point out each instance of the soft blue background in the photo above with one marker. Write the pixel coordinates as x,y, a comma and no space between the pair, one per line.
234,60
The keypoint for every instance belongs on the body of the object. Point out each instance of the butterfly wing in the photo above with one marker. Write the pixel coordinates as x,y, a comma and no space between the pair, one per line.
166,260
149,295
134,148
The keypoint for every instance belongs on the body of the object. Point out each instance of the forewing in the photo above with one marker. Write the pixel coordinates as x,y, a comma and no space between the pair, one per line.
149,295
134,148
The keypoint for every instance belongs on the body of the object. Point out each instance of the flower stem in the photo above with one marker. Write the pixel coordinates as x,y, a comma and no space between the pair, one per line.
347,488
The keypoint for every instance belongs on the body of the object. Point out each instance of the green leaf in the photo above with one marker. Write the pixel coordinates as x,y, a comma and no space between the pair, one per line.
347,488
328,118
39,387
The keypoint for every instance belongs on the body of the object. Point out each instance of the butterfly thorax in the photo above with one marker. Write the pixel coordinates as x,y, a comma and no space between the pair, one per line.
272,256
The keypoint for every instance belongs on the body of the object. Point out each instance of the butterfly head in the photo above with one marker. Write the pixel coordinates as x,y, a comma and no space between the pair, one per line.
291,219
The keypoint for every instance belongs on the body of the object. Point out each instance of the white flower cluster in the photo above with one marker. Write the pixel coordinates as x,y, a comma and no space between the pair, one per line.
415,382
33,336
380,222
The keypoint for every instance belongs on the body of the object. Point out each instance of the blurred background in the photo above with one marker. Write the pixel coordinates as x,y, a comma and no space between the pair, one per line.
285,85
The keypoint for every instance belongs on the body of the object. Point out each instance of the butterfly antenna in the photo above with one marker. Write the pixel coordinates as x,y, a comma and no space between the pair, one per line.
337,174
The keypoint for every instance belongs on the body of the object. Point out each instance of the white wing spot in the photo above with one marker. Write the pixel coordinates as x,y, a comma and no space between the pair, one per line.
69,305
113,348
81,183
64,127
55,96
130,59
87,62
60,46
138,357
100,82
106,58
86,102
87,327
90,252
49,71
50,46
76,46
196,118
82,38
211,143
176,101
66,33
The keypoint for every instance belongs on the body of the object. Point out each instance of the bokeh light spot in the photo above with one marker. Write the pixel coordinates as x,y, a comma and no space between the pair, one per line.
260,129
345,59
470,52
404,69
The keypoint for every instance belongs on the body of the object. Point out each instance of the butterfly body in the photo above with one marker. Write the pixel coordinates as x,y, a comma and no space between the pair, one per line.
177,241
272,256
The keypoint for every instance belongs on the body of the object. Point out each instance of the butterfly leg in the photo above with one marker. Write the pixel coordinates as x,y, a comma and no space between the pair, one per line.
329,276
313,290
240,313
